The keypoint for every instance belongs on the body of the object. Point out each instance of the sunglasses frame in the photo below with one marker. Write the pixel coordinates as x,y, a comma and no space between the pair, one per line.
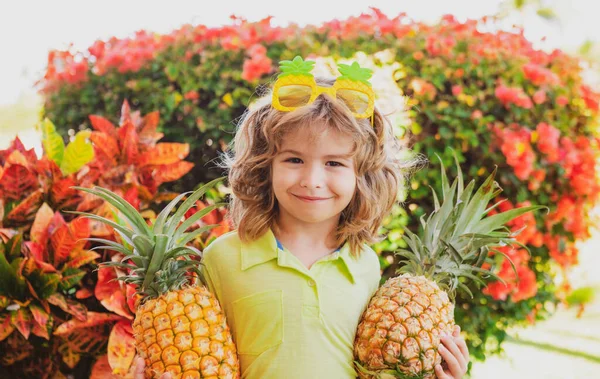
317,90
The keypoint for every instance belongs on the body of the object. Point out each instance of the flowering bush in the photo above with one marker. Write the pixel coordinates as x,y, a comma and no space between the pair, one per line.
489,96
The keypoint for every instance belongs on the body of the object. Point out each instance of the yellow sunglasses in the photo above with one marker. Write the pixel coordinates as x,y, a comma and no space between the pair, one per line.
296,87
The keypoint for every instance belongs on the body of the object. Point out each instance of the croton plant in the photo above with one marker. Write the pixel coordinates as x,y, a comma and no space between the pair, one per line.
59,313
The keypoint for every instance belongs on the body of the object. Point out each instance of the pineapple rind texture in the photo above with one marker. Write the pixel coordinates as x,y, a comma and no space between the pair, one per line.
184,332
401,328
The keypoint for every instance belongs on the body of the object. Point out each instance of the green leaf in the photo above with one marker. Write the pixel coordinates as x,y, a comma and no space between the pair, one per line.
78,153
70,277
53,144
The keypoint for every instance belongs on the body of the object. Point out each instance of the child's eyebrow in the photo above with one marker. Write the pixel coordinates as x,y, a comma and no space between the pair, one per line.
329,156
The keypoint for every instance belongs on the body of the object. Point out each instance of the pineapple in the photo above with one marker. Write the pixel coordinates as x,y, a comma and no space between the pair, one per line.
399,333
179,327
295,86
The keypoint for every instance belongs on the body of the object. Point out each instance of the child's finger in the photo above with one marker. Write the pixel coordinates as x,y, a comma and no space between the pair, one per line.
452,359
451,345
440,374
139,368
456,331
462,346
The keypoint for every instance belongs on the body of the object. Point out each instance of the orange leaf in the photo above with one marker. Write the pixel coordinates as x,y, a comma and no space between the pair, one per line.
94,318
164,154
81,257
125,112
17,181
70,357
80,230
39,229
62,193
128,140
21,319
102,370
40,331
172,172
121,347
103,125
83,293
105,144
26,210
6,326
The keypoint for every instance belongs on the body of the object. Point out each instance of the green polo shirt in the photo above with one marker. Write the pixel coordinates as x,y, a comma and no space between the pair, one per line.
288,321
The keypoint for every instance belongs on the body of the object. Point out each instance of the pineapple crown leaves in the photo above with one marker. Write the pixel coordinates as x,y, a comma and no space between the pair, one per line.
297,66
457,237
355,73
159,255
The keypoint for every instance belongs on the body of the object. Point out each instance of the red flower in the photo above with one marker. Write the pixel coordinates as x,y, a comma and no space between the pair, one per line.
513,95
562,100
547,142
526,285
539,75
539,96
258,65
456,90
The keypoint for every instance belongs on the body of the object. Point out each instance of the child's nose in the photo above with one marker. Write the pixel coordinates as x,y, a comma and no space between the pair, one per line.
313,177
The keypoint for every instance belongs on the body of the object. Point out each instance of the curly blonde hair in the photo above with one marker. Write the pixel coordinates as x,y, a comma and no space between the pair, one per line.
380,170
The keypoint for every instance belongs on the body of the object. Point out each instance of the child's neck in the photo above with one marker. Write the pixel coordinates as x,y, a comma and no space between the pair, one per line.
307,241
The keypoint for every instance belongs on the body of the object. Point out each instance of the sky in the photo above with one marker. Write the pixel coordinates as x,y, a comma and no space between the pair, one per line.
29,29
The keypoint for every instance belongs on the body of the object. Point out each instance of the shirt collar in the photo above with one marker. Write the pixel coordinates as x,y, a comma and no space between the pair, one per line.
265,248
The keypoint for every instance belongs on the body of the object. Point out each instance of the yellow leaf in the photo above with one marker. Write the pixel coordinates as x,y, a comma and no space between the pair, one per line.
54,146
78,153
227,99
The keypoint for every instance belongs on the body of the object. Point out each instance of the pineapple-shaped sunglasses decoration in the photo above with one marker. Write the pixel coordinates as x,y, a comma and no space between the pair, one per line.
399,333
296,87
179,327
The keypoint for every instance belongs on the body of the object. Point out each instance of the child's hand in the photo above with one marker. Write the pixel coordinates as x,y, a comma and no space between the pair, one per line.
139,369
453,350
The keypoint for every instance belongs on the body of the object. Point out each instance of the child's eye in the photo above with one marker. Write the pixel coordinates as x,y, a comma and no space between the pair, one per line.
335,164
294,160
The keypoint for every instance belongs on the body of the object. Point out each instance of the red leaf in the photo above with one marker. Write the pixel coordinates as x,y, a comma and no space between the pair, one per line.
110,293
94,318
39,229
26,210
62,244
102,370
40,256
17,181
168,173
39,314
128,140
132,197
78,310
22,320
101,124
121,347
6,326
68,238
132,297
164,154
70,357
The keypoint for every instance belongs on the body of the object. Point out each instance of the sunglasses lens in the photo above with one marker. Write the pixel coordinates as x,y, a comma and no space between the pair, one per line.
293,96
357,101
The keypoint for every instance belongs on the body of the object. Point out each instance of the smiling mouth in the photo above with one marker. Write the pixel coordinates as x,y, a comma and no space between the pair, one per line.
310,199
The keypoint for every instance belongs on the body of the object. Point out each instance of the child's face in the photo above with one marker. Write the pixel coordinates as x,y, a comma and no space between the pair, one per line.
314,180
